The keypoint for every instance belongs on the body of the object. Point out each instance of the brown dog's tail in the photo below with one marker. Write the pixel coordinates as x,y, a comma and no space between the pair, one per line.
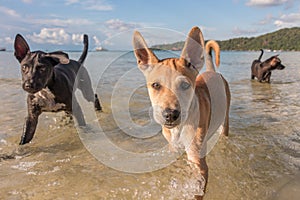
261,54
85,49
212,45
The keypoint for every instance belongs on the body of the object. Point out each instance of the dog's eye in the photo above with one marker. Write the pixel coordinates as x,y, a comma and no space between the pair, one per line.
185,85
42,69
24,68
156,86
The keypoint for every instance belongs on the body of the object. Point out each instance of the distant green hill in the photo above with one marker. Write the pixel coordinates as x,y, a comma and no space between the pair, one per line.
287,39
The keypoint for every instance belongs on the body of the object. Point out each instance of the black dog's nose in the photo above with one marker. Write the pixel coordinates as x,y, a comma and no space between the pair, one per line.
28,85
170,115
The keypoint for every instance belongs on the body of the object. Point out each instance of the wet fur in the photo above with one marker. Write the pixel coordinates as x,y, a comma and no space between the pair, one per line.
189,132
49,79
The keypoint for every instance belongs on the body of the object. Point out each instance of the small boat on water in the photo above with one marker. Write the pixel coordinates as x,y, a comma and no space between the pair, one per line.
101,49
2,49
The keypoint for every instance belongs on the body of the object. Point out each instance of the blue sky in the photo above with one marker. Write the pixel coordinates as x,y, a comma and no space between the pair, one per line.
59,24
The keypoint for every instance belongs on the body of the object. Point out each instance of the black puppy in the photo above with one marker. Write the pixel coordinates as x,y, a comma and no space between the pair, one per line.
262,70
49,79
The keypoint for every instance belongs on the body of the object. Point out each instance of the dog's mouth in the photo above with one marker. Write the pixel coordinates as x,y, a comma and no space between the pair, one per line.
170,125
281,67
32,90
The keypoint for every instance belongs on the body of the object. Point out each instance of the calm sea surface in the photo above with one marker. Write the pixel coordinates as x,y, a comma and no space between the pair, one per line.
259,160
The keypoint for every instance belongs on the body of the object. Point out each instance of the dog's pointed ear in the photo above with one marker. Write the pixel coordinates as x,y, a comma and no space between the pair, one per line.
192,51
21,47
143,54
58,57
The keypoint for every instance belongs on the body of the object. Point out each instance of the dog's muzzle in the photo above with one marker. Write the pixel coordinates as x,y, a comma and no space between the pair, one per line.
31,87
171,117
281,67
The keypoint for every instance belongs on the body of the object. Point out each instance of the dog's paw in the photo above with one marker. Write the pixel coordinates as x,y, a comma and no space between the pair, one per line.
199,181
97,104
198,197
200,184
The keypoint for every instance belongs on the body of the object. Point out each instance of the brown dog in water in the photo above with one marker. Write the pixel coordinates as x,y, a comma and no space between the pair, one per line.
188,106
262,70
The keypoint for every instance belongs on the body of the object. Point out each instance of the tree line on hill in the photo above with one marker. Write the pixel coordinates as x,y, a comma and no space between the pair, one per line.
287,39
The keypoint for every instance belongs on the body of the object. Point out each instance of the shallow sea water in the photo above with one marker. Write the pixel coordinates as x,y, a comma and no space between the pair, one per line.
259,160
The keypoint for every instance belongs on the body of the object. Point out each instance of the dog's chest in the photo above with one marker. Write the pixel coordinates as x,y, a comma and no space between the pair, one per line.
181,138
45,99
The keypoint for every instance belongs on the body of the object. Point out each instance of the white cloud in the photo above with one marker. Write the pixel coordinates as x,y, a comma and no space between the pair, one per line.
9,12
62,22
288,20
27,1
70,2
100,7
118,25
97,41
268,3
6,40
267,20
77,38
108,42
91,4
56,36
238,31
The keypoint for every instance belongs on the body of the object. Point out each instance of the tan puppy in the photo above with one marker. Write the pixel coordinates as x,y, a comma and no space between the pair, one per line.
189,107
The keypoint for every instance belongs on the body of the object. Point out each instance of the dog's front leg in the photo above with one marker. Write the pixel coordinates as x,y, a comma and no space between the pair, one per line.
203,180
261,75
77,112
31,120
199,168
268,77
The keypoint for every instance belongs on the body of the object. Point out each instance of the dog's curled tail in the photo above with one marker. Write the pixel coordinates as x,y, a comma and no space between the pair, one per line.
212,45
85,49
261,54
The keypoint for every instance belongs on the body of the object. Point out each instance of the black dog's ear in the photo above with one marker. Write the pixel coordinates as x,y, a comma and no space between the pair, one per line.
58,57
21,47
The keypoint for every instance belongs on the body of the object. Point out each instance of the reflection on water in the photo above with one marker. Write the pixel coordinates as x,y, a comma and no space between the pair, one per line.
260,158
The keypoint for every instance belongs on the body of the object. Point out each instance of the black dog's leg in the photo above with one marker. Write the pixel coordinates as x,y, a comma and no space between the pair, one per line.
31,121
84,83
29,129
254,69
97,104
77,112
260,76
268,77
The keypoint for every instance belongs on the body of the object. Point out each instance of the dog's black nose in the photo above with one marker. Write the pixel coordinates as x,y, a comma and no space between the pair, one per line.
28,85
170,115
282,67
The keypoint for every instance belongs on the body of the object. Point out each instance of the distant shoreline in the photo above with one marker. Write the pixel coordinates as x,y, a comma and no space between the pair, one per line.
93,51
286,39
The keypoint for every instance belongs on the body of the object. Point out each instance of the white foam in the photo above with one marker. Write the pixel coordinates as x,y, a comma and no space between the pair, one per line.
25,166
